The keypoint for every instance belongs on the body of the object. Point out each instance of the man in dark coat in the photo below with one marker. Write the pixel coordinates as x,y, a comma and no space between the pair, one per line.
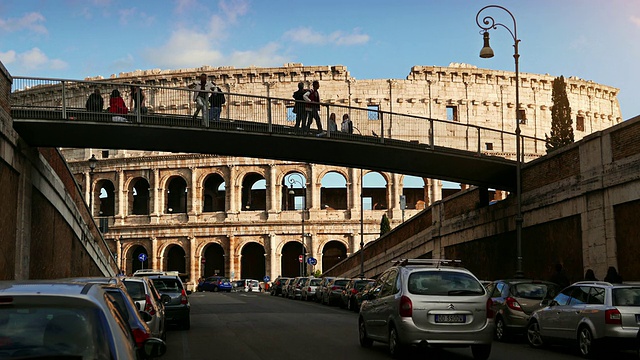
95,102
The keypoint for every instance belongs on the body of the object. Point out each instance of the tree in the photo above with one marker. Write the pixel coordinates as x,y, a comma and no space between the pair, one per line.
561,133
385,226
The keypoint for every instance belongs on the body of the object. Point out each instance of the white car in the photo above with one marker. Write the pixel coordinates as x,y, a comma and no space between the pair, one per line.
247,285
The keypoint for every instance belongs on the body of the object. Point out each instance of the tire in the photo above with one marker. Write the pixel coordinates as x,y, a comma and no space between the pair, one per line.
481,352
533,335
586,344
396,348
365,342
186,324
500,333
215,289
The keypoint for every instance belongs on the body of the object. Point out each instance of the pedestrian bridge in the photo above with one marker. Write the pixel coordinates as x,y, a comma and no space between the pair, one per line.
51,113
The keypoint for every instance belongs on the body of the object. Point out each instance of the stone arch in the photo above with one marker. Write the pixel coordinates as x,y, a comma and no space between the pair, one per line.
213,193
294,191
132,263
252,261
374,192
176,190
416,194
333,252
139,196
105,200
333,197
289,263
253,197
175,259
214,256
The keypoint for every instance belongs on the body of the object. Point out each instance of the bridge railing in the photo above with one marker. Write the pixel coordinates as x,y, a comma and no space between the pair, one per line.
56,99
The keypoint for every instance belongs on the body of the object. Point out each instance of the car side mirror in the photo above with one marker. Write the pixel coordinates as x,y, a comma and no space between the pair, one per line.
145,316
153,348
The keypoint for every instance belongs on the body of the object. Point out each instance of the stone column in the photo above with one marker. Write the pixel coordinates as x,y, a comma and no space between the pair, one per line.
119,253
122,198
232,257
157,191
272,269
354,244
195,193
194,264
155,260
232,188
273,203
354,192
313,189
87,187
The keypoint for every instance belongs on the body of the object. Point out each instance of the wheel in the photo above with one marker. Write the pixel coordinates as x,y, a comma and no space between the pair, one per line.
186,324
362,335
586,342
533,335
481,352
215,289
501,330
396,348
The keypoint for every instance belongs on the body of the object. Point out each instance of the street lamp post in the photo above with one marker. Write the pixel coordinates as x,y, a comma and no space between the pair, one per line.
300,182
92,166
361,227
489,23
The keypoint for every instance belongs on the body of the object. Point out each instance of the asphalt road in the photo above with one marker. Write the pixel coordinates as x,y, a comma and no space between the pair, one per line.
256,326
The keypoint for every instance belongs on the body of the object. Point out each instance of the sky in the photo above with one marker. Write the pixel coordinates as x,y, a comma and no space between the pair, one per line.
376,39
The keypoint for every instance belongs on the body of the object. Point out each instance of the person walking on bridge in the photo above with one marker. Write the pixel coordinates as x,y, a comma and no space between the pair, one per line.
312,98
201,98
299,106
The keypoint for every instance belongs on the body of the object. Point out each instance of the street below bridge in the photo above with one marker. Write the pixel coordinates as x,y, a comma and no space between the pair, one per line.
257,326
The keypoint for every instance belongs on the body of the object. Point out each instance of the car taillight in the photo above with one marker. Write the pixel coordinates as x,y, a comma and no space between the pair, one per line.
406,307
309,289
183,298
513,304
612,317
147,305
335,288
490,312
354,291
140,336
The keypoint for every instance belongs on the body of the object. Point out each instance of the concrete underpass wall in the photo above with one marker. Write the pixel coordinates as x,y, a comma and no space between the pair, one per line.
45,229
580,207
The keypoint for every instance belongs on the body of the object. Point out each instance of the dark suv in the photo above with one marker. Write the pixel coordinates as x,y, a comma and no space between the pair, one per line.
174,296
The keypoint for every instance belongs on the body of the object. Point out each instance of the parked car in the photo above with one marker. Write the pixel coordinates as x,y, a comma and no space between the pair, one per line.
427,302
247,285
514,300
65,319
333,291
309,288
321,288
215,283
276,286
348,295
147,298
360,295
594,315
177,308
295,288
286,287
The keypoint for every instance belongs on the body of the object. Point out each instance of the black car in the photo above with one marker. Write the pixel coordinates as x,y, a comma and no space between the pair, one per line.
276,286
174,297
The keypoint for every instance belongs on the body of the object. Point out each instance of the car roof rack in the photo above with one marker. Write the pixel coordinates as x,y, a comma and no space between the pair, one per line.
432,262
592,282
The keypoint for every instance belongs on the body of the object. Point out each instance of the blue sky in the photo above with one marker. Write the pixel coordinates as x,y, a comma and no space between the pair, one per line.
591,39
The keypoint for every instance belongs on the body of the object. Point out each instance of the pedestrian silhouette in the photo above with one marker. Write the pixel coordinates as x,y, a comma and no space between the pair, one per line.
312,98
347,125
559,277
299,107
613,276
590,276
95,102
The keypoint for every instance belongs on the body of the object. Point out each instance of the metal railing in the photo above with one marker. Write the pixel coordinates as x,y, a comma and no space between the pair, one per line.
58,99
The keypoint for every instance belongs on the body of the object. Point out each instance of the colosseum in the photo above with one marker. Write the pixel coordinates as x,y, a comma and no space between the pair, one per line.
249,218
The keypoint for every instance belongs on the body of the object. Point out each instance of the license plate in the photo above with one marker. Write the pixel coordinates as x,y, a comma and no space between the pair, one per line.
450,318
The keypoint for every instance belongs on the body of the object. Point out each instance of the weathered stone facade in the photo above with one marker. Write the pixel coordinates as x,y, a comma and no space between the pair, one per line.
234,240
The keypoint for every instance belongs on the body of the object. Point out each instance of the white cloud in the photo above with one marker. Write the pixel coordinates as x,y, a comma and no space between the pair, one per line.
185,48
311,37
30,61
265,56
31,21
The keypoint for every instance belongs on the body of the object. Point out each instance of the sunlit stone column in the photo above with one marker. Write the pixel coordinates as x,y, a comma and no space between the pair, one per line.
155,260
272,187
194,265
195,193
231,262
272,269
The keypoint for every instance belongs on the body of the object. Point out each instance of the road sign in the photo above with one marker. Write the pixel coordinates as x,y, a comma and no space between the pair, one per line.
312,261
300,257
142,257
266,278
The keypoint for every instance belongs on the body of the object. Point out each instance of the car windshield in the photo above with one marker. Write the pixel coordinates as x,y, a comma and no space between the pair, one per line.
626,296
135,289
27,332
167,285
534,291
360,284
444,283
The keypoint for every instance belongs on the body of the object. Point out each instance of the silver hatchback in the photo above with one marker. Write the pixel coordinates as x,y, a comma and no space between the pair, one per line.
428,303
593,315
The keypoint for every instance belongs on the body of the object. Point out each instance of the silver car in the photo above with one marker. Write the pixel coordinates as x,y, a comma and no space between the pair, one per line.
427,303
593,315
147,298
309,288
60,319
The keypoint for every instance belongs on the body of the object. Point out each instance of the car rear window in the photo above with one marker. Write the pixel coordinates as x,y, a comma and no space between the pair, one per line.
167,285
341,282
534,291
360,284
626,296
135,289
444,283
315,282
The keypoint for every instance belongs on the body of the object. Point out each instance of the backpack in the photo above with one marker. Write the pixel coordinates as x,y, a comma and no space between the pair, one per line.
217,98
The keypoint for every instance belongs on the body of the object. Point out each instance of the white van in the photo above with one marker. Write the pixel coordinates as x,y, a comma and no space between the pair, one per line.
247,285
